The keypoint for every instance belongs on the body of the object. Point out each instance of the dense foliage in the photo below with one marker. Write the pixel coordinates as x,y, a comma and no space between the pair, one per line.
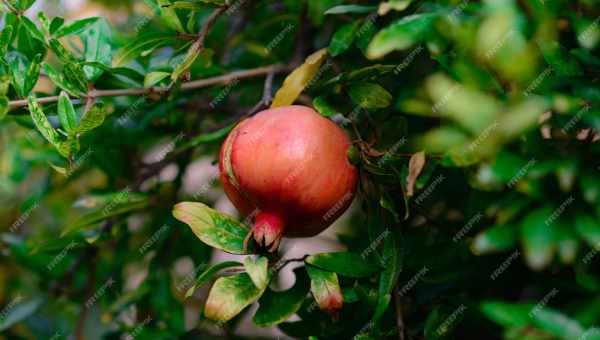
474,126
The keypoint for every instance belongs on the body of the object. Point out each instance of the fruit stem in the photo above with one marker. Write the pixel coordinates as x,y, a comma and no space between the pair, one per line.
268,230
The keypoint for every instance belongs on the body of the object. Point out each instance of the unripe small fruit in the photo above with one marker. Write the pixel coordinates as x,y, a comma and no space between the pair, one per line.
289,167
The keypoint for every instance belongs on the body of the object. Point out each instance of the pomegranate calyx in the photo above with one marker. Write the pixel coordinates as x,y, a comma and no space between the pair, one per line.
268,230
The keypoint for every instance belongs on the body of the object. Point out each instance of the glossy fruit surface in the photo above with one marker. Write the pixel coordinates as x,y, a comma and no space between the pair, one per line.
288,167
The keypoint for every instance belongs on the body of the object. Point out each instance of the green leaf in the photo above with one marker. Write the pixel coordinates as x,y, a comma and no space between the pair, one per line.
23,5
93,118
143,45
392,264
365,34
325,288
32,28
75,27
153,78
61,52
522,117
495,239
5,39
212,227
401,35
229,296
472,109
559,59
322,106
344,263
3,107
258,270
170,16
507,314
19,312
75,76
66,112
589,229
209,274
198,5
55,24
68,147
192,53
97,48
343,38
41,122
276,307
4,84
17,65
369,95
538,238
295,83
556,323
33,73
397,5
342,9
58,79
116,204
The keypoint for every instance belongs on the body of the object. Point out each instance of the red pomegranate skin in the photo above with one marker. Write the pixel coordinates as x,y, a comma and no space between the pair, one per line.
289,166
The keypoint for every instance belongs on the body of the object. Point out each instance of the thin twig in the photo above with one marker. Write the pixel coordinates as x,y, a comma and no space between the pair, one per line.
267,96
210,22
191,85
399,319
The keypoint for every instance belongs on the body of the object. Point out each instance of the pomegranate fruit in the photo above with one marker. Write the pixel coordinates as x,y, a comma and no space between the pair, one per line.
287,167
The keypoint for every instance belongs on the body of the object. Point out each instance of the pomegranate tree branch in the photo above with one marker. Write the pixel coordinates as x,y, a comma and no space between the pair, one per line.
267,96
399,319
191,85
209,23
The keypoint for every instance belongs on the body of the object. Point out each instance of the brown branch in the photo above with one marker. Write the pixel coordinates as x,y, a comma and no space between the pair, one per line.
267,96
191,85
209,23
399,319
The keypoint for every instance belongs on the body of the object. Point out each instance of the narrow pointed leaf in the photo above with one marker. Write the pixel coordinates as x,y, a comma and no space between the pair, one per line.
33,73
41,122
343,38
369,95
209,274
295,83
66,112
75,27
344,263
93,118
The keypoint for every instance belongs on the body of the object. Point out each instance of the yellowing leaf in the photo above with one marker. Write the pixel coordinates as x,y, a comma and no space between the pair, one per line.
229,296
258,270
295,83
212,227
415,166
